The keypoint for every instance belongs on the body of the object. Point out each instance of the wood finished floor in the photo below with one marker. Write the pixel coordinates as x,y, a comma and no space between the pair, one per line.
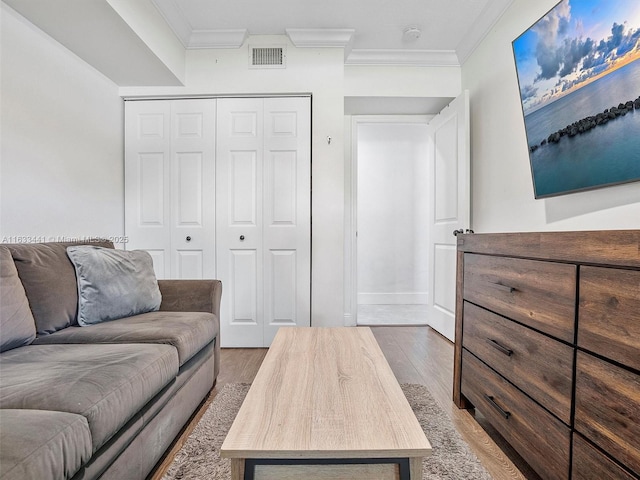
416,355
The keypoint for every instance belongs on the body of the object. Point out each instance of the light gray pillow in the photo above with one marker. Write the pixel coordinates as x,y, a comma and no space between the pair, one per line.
113,284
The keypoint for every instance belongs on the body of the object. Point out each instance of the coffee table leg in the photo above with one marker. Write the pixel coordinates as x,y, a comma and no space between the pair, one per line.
416,468
249,464
237,468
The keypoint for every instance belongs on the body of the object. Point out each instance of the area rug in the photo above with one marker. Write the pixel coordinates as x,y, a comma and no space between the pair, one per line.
199,458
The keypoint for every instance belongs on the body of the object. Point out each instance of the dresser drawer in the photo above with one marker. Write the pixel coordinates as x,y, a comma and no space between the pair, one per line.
539,365
607,408
589,463
539,294
540,438
609,313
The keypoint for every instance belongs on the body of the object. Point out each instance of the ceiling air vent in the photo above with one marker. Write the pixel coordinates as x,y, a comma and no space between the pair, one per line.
267,57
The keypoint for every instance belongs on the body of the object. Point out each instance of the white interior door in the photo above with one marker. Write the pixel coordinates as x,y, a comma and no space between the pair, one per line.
169,184
449,187
263,217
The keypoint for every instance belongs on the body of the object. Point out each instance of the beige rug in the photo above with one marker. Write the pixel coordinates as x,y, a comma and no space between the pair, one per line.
199,458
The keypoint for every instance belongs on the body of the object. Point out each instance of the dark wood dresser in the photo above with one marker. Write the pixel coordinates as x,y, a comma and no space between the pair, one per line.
548,347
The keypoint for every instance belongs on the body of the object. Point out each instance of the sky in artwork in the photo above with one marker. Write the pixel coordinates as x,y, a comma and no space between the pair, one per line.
576,43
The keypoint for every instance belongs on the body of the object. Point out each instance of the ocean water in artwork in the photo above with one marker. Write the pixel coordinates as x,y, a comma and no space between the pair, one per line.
605,155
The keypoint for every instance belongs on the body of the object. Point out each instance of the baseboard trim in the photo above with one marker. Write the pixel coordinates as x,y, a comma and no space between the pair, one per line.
404,298
349,320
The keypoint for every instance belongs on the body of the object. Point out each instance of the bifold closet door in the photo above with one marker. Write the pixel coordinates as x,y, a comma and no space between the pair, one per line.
170,184
263,196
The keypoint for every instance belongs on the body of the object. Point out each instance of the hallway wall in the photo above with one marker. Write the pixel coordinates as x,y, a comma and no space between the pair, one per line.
392,213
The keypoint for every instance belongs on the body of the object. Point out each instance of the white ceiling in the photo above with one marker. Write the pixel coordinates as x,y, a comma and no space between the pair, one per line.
449,29
143,42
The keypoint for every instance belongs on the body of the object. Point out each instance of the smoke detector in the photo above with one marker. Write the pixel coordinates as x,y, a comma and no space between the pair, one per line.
411,33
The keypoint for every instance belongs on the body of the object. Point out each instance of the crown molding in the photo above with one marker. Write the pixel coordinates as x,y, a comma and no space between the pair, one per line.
492,12
422,58
232,38
193,39
320,37
175,19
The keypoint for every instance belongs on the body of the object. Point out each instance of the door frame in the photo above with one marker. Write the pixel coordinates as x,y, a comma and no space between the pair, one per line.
351,207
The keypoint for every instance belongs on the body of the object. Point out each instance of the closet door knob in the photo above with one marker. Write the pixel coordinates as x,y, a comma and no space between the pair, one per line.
241,237
188,239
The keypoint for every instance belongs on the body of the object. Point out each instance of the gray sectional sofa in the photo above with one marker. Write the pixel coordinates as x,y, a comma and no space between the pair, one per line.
100,401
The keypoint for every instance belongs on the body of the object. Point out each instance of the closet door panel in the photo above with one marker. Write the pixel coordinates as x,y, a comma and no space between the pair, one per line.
147,181
170,184
151,180
243,188
287,213
263,214
193,188
281,308
239,192
243,269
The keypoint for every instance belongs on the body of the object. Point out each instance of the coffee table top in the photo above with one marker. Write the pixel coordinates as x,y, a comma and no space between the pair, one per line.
325,393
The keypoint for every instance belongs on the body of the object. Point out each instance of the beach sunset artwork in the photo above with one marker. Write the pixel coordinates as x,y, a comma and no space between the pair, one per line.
578,70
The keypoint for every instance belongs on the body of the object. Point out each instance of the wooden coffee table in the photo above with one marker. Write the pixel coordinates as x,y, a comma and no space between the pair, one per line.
325,404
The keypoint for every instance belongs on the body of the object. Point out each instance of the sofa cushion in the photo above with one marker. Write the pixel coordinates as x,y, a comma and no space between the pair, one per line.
17,327
189,332
113,284
42,444
107,384
49,280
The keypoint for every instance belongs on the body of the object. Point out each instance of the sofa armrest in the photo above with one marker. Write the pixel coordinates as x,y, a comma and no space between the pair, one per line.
191,295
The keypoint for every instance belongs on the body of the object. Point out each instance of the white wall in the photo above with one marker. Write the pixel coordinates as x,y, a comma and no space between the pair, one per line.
502,189
392,213
61,154
402,81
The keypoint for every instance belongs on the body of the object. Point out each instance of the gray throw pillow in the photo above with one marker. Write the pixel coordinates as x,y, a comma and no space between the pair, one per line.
49,280
113,284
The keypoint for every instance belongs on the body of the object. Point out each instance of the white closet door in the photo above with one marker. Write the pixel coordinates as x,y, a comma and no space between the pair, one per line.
169,184
147,181
239,220
193,188
263,217
287,214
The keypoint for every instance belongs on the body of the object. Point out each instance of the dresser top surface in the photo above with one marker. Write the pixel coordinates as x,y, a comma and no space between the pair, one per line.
601,247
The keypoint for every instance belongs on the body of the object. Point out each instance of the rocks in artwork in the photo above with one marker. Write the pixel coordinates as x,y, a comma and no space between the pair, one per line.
588,123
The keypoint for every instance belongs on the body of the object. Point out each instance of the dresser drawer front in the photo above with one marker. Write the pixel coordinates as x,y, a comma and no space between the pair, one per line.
539,365
607,408
609,313
539,294
541,439
589,463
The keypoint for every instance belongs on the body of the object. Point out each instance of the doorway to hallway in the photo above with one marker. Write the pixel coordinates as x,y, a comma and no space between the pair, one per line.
391,213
